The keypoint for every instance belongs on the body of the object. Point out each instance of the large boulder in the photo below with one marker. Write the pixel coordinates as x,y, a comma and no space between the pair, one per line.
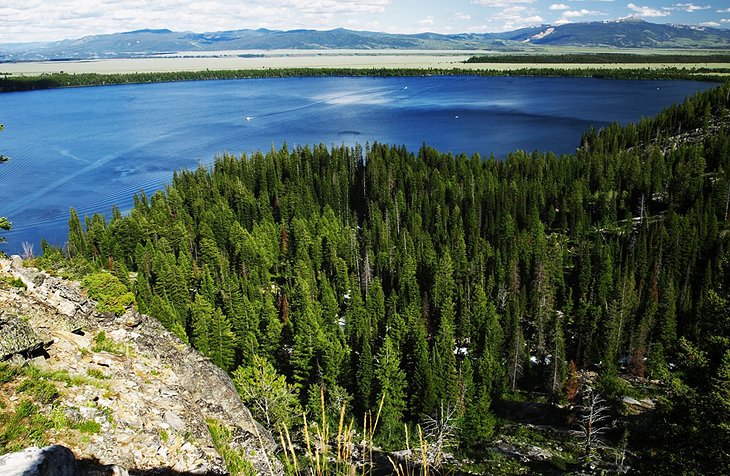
53,460
17,337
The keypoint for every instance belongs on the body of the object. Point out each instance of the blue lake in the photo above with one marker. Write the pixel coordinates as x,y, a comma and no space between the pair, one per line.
91,148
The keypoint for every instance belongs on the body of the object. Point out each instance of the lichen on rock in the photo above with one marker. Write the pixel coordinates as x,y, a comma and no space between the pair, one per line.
17,337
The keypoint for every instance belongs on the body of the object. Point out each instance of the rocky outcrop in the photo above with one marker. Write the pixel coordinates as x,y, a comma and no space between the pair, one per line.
151,395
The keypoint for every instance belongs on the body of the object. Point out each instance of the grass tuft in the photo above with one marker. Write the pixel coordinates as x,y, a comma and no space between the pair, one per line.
236,462
41,391
104,344
97,374
22,428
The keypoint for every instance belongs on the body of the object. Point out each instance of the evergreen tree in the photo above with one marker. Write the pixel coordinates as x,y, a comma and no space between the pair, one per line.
271,399
421,383
391,381
556,365
477,423
514,350
221,341
76,235
201,315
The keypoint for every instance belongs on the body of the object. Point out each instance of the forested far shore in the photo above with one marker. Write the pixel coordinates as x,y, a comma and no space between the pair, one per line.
426,287
66,80
602,58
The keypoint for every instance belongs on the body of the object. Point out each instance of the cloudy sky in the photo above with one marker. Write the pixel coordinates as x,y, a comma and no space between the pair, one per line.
43,20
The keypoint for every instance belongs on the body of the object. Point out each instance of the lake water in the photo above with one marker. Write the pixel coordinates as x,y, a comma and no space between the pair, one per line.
91,148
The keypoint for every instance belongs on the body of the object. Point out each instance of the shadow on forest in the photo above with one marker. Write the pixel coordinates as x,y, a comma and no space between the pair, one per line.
535,413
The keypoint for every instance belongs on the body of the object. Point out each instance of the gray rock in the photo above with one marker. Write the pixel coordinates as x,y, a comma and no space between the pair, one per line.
174,421
16,336
647,403
17,360
16,261
53,460
131,319
631,401
40,362
104,359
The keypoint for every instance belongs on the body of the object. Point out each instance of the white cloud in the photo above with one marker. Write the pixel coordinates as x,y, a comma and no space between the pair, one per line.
580,13
326,8
647,11
724,10
568,15
725,20
514,10
713,24
559,6
39,20
499,3
521,22
687,7
512,14
462,16
533,20
428,21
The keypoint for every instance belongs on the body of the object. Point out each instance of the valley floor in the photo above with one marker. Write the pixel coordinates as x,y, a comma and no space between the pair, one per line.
278,59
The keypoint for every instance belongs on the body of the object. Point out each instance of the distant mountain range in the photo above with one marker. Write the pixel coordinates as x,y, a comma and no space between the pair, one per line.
629,32
624,33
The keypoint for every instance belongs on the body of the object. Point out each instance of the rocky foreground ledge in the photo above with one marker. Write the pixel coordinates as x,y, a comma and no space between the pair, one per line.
149,397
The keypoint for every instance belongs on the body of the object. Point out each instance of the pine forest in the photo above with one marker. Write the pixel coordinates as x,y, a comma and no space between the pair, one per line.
442,291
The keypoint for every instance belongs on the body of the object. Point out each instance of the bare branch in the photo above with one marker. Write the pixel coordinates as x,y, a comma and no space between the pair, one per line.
592,417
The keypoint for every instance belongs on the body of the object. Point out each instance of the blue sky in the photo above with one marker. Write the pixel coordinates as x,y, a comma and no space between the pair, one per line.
43,20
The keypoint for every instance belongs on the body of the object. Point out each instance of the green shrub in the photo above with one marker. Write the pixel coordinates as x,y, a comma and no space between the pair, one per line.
97,374
7,372
52,258
25,409
59,420
103,344
110,294
10,282
87,426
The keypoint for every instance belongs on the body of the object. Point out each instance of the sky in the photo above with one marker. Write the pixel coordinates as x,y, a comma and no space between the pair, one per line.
47,20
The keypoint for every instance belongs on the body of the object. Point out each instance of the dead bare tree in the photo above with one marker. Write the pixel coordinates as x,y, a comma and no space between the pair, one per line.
592,420
727,201
440,431
27,250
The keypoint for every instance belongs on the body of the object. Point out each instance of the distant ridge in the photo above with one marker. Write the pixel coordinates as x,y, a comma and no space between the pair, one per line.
629,32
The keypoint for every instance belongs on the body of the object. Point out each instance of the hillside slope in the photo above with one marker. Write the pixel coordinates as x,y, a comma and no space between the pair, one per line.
629,32
115,390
